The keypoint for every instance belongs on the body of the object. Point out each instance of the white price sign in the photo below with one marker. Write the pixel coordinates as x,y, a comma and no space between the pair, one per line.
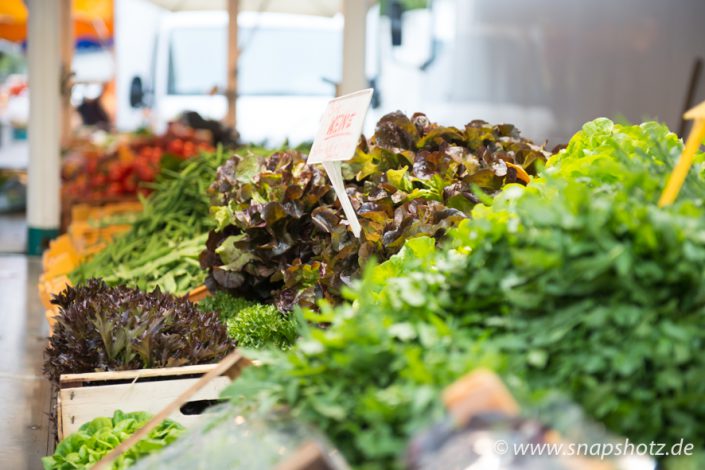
336,140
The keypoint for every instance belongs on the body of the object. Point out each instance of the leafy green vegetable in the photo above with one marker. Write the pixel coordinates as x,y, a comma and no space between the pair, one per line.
633,159
101,328
578,283
97,438
590,288
280,234
374,376
251,324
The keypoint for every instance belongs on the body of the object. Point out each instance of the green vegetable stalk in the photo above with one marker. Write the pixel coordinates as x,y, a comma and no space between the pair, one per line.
161,249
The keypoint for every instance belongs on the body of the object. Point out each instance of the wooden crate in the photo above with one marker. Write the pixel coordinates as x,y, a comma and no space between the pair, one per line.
83,397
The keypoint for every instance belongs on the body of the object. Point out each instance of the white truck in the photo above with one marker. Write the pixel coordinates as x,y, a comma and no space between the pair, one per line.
287,71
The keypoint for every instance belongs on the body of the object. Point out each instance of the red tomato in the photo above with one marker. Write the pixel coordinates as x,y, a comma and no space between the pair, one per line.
144,171
176,146
114,189
114,172
91,165
99,180
189,149
130,184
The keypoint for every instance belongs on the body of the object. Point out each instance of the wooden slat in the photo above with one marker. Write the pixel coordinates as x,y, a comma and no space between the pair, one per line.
59,417
134,374
81,405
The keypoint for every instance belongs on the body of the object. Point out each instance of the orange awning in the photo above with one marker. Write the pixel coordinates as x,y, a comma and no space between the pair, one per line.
92,20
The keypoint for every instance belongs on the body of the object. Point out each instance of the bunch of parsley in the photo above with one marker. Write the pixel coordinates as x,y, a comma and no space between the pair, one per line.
251,324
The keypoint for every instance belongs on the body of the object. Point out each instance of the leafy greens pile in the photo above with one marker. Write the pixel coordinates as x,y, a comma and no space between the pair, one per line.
102,328
251,324
374,377
95,439
578,283
279,236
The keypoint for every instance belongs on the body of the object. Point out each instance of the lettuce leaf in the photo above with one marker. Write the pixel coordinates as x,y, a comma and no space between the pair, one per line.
95,439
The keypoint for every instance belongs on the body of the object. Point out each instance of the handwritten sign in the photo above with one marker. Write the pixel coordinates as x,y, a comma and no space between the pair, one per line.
336,140
340,129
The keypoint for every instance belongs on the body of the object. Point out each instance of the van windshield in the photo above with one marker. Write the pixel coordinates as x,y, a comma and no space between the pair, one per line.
272,61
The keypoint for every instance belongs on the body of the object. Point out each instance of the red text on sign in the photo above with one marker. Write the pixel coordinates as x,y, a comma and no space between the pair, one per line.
340,123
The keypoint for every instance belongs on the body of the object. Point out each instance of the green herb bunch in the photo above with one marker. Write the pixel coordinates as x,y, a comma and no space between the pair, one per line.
251,324
374,376
102,328
95,439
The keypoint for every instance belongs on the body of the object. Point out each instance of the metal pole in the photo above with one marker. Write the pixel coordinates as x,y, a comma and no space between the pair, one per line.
354,32
231,91
44,205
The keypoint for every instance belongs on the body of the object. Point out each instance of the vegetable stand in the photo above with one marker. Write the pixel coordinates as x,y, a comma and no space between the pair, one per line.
558,271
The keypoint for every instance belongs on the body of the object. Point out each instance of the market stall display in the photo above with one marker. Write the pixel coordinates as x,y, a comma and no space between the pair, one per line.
577,283
467,268
280,235
559,272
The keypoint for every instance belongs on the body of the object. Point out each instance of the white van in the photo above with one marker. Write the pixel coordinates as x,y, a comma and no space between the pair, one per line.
287,70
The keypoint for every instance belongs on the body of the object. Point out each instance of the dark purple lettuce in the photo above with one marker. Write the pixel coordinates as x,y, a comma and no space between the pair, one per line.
101,328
